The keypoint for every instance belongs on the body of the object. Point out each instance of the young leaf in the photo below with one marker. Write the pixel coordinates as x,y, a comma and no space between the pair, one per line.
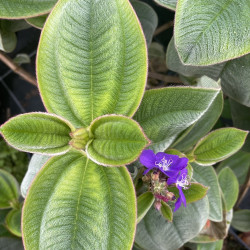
170,4
218,145
144,203
38,133
21,9
229,186
239,163
13,222
207,32
217,245
76,204
36,163
117,140
166,211
94,55
37,22
9,190
207,176
148,19
154,232
165,113
241,220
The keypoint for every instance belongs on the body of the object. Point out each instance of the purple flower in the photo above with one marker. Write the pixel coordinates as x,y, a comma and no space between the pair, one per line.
182,182
170,165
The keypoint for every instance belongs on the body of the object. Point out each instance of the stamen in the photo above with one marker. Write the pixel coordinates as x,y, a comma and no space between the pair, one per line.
164,164
183,181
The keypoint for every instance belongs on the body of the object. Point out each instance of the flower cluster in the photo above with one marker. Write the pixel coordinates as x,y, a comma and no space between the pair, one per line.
174,170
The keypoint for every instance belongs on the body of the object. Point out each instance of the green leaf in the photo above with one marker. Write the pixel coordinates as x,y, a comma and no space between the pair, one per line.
117,140
241,220
8,38
154,232
241,119
217,245
205,123
148,19
97,206
165,113
208,177
26,8
37,22
38,133
175,64
21,59
144,203
36,163
239,163
166,211
235,79
212,35
218,145
13,222
9,190
94,55
229,186
170,4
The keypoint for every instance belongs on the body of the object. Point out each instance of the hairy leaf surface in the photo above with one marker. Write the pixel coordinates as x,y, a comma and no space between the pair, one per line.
170,4
241,220
94,55
38,133
76,204
210,32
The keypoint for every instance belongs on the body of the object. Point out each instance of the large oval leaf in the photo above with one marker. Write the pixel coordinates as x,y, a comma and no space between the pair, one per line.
155,232
9,190
218,145
170,4
76,204
26,8
209,32
241,220
38,133
94,55
207,176
165,113
13,221
117,140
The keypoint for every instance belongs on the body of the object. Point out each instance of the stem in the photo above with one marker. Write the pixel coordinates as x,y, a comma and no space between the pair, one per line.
138,176
244,189
167,79
17,69
164,27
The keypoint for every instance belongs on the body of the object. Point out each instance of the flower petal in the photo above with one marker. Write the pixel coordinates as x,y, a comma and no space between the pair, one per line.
182,162
147,158
172,180
182,196
177,204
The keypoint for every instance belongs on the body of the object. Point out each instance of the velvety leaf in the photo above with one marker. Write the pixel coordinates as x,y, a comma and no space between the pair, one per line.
94,55
239,163
8,38
165,113
229,187
21,59
97,206
205,123
241,119
217,245
241,220
207,32
37,22
36,163
13,222
218,145
144,203
174,63
117,140
154,232
25,8
214,231
9,190
208,177
11,243
235,78
166,211
148,19
38,132
170,4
